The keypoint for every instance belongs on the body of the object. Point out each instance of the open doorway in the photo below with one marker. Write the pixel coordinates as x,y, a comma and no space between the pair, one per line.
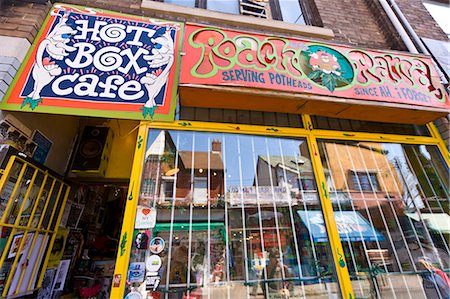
92,221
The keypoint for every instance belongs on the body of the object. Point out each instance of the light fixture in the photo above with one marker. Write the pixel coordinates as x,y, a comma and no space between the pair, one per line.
200,170
172,171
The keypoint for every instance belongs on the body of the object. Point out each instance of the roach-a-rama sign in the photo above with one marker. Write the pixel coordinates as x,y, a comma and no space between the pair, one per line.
224,57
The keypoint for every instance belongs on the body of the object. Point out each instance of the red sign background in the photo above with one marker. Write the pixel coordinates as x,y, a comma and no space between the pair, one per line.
230,58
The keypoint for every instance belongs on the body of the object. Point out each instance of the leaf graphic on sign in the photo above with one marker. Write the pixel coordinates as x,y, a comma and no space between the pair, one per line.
123,243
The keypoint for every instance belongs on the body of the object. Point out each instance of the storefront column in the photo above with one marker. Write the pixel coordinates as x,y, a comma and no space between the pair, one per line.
328,214
441,143
126,235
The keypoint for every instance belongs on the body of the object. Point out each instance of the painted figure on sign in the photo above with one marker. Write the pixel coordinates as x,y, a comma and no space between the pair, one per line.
326,68
160,61
52,49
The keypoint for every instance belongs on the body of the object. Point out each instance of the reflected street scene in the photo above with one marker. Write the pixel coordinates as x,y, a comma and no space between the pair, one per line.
240,215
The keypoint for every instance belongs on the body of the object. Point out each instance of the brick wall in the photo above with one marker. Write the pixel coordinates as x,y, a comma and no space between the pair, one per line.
364,22
421,20
353,23
443,125
123,6
425,26
22,19
390,34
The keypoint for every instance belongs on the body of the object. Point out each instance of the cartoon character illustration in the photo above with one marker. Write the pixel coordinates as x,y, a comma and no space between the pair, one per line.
160,61
52,49
325,62
326,68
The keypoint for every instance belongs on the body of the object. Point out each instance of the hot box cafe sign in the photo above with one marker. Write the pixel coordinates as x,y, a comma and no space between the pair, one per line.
223,57
97,63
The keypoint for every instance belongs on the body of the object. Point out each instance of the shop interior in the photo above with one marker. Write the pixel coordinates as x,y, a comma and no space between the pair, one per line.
93,157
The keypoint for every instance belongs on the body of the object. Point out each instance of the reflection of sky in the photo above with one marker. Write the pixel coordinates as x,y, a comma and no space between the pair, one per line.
440,13
240,169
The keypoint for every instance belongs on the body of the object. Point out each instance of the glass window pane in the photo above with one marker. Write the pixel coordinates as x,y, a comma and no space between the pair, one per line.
236,214
188,3
329,123
230,6
49,212
384,197
291,11
19,205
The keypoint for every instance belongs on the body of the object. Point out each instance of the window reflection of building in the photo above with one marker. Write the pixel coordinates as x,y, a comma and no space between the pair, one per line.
283,179
394,188
364,171
294,173
205,171
190,177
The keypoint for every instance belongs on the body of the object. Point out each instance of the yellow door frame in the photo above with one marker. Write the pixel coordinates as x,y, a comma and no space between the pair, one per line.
126,234
308,132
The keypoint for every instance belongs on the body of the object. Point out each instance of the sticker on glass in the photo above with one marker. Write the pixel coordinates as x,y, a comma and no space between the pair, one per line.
133,295
145,217
152,282
153,263
157,245
141,240
136,272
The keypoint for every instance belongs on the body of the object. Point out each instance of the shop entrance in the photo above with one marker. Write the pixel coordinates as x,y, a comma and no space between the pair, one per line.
93,221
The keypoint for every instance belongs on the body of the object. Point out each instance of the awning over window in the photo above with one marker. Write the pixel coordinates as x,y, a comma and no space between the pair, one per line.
439,222
351,226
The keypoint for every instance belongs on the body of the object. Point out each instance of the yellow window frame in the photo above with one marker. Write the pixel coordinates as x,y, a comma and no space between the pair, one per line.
308,132
48,232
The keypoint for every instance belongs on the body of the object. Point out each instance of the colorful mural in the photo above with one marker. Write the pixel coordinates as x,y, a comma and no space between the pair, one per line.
97,63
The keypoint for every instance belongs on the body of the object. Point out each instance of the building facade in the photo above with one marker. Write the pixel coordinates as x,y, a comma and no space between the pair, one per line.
218,149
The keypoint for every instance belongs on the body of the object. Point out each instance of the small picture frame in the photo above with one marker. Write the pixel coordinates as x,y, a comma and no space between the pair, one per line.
76,210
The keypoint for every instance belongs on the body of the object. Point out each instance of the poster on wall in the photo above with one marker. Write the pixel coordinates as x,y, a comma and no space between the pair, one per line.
61,274
92,62
34,261
58,248
17,239
43,146
29,261
45,291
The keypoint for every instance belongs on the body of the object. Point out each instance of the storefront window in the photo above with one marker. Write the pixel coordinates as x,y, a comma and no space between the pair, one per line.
229,216
393,217
329,123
